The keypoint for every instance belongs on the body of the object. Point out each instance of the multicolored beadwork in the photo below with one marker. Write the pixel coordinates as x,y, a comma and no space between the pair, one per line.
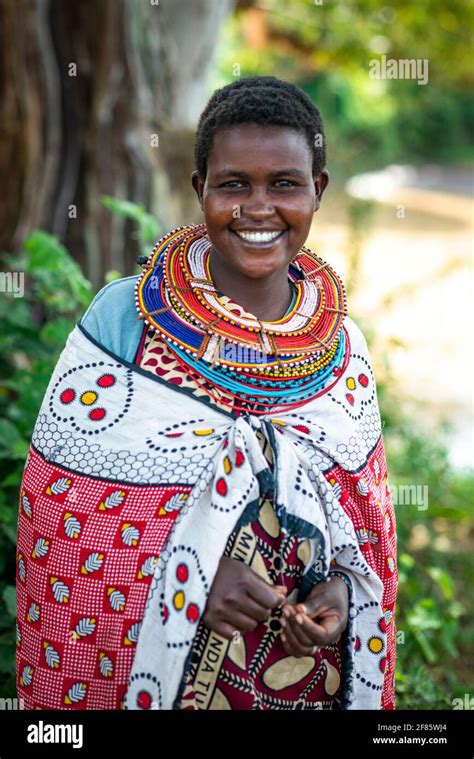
281,363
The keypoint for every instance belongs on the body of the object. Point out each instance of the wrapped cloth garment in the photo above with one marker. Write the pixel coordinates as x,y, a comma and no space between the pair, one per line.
133,490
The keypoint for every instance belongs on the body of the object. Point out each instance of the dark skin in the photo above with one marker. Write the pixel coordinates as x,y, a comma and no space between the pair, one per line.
240,599
263,174
261,179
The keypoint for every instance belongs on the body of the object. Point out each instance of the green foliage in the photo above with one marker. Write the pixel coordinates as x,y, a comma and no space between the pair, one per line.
326,49
148,228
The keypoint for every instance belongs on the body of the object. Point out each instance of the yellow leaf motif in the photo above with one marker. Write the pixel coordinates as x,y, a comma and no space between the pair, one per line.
60,590
93,563
26,677
112,500
72,526
116,599
41,548
34,613
76,692
86,626
59,486
106,666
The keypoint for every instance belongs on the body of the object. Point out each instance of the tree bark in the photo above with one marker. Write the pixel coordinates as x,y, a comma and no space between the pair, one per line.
101,98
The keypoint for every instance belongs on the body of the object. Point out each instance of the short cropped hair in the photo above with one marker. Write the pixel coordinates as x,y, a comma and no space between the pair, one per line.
262,100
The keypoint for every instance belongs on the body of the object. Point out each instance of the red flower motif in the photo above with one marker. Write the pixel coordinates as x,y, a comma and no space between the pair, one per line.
107,380
182,573
221,486
67,396
383,624
97,414
144,699
239,457
192,612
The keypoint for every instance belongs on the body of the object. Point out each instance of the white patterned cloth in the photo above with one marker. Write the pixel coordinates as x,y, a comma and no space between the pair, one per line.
326,454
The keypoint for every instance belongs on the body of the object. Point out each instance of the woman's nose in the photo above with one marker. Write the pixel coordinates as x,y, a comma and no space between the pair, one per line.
258,205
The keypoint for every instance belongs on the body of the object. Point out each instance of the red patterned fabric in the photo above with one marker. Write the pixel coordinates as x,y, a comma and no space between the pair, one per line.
93,548
374,522
256,672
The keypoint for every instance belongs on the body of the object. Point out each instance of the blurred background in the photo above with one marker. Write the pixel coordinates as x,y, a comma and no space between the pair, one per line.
100,100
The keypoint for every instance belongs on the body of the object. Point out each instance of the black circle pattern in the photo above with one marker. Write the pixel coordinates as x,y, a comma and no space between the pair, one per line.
53,402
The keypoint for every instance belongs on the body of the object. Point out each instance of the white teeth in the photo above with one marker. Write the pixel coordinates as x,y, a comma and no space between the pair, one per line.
260,236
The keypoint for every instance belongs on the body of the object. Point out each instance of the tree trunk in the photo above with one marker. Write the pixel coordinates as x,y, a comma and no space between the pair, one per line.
101,98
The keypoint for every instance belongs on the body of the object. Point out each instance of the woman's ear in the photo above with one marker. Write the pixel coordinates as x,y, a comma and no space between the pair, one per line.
320,184
198,184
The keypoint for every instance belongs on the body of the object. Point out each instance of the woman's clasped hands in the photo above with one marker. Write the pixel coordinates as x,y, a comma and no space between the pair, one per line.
240,599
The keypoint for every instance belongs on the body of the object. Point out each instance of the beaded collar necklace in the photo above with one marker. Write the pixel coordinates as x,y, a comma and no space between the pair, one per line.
282,363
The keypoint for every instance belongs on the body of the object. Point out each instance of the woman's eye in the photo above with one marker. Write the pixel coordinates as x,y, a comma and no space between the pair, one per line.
232,183
286,183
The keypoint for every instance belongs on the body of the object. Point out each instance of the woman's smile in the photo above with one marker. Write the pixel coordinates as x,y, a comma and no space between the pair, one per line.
258,198
259,238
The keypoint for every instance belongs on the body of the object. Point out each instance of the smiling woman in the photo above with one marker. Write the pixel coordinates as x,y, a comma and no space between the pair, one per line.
205,518
258,215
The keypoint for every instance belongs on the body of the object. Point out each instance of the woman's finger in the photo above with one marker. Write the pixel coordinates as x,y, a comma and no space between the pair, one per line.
334,626
240,621
232,619
297,630
294,644
325,631
227,631
289,650
254,610
267,596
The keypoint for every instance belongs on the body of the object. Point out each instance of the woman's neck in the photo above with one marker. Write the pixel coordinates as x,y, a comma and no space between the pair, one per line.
268,299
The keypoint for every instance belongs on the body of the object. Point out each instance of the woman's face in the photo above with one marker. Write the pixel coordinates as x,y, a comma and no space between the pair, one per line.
259,197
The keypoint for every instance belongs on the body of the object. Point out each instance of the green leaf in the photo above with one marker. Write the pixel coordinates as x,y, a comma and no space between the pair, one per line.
45,252
9,596
12,479
20,449
9,435
56,332
443,580
7,655
112,275
9,532
406,561
425,647
150,229
124,208
57,279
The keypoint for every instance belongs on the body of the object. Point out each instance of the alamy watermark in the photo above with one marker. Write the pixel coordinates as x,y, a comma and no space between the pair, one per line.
410,495
11,704
13,282
463,703
399,68
44,732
